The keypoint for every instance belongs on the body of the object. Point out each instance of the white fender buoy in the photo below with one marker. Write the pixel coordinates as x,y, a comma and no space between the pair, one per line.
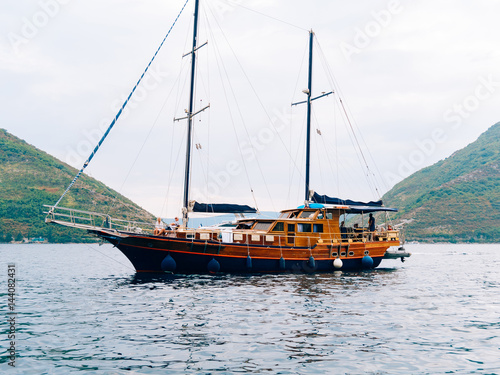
337,263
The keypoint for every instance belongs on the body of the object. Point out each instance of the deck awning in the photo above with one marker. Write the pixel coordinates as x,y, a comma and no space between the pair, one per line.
355,207
223,208
316,198
367,209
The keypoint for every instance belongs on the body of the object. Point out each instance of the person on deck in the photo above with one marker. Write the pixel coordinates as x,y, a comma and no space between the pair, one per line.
159,227
175,224
371,226
343,230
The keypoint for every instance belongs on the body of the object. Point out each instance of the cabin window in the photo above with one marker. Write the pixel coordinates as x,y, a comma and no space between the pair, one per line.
318,228
329,216
244,225
284,215
291,228
306,214
279,227
303,227
262,226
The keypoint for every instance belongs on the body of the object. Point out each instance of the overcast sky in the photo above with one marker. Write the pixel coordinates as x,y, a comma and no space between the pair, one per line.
419,79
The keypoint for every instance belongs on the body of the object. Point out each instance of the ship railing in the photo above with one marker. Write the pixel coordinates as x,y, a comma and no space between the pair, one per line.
364,235
250,237
93,220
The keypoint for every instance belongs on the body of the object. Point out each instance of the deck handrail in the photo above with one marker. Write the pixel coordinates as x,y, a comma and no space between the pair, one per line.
88,218
91,220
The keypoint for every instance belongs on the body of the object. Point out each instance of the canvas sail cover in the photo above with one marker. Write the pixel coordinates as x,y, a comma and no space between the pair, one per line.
355,207
316,198
225,208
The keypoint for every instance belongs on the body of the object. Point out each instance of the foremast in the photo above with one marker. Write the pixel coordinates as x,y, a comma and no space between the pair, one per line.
190,115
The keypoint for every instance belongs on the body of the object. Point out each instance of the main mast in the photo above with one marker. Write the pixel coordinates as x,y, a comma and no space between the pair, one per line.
309,93
190,119
309,101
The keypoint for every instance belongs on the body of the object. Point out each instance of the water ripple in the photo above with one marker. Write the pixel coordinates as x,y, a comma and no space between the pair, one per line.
437,313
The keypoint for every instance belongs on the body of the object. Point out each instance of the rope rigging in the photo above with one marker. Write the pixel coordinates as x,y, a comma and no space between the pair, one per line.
238,4
234,115
227,88
117,116
371,177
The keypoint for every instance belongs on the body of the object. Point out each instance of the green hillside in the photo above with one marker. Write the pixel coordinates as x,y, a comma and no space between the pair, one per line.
30,178
456,199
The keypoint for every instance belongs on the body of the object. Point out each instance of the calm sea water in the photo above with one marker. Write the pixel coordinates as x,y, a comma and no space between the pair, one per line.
82,309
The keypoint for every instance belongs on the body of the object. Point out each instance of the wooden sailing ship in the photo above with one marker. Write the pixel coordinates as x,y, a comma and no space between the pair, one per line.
310,238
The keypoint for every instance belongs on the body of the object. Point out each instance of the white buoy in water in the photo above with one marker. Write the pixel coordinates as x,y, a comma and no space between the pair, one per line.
337,263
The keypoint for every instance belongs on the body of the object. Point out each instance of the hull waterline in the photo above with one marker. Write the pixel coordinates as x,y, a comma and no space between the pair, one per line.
157,254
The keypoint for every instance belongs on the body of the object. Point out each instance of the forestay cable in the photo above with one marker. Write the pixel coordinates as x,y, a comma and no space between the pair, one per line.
117,115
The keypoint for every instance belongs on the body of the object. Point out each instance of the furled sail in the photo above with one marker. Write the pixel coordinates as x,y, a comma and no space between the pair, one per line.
316,198
355,207
222,208
366,209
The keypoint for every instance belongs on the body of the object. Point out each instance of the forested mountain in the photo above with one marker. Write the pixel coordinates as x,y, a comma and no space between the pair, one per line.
30,178
456,199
